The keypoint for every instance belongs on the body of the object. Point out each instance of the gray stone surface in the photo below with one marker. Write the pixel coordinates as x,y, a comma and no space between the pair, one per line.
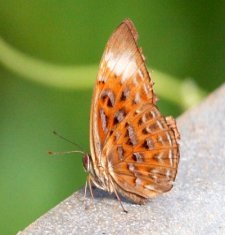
196,204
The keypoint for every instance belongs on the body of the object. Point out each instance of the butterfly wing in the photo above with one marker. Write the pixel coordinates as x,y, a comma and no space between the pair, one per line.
143,153
123,97
122,69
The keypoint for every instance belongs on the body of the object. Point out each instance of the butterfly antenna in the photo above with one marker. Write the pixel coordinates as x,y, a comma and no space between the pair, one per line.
66,152
62,137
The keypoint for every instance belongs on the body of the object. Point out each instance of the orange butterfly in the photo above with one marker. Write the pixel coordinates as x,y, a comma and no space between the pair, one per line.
134,149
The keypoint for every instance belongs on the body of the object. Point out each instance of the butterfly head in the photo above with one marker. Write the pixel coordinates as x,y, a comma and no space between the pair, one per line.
87,162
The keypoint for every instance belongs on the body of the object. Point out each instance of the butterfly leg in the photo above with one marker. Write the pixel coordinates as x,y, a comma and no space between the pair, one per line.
85,189
85,195
118,197
88,185
90,188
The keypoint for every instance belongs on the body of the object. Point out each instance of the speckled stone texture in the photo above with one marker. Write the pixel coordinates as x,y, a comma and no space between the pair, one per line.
196,204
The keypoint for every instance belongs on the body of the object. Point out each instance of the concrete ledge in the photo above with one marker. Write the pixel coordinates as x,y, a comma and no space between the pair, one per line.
196,205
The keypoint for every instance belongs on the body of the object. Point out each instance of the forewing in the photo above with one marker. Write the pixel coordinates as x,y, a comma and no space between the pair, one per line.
122,84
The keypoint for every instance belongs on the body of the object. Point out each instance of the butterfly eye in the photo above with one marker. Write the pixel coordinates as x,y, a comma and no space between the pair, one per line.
86,162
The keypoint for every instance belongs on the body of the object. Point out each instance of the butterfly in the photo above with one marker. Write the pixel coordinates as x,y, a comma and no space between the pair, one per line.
134,149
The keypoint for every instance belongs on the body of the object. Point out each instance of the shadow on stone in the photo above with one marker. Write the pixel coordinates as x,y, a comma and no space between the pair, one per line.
100,194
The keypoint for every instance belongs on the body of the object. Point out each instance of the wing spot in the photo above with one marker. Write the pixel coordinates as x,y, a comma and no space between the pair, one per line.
130,70
131,167
109,95
148,144
120,152
122,64
104,120
159,157
145,131
109,103
102,80
122,97
125,94
153,127
119,116
132,135
137,98
137,157
140,121
138,182
147,116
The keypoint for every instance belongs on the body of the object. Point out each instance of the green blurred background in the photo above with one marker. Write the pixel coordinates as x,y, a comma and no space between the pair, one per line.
49,55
